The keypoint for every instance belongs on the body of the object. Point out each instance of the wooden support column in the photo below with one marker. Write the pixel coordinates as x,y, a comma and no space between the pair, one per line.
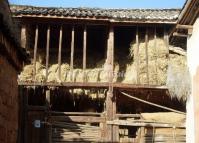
109,100
156,60
35,52
166,39
48,99
146,54
72,53
137,55
24,36
47,51
84,53
59,52
115,127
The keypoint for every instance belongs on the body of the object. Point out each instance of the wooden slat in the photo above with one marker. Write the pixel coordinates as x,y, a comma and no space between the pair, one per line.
72,53
94,85
59,52
35,52
166,39
76,113
80,119
23,36
128,115
179,26
84,53
47,51
146,54
137,56
156,61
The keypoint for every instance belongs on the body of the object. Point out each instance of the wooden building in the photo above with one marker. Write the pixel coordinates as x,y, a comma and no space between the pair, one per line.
62,99
11,60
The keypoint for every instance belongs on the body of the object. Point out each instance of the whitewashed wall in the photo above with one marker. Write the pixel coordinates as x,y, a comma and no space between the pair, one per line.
193,64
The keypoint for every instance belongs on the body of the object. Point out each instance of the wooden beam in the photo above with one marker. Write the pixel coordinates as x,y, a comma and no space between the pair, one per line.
146,54
179,26
166,39
47,51
84,53
180,35
80,119
35,52
72,53
75,113
59,52
23,36
137,55
94,85
48,103
115,127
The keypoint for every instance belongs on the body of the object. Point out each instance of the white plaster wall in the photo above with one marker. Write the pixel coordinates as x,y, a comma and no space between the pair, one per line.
193,63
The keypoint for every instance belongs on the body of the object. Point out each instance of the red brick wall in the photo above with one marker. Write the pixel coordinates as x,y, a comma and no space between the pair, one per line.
8,102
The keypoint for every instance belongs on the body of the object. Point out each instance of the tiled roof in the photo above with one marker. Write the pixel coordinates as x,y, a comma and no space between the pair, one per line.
98,13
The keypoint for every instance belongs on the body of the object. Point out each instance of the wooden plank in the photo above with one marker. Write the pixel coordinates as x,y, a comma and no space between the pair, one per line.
59,52
80,119
35,52
23,36
166,38
84,53
155,47
180,26
72,53
180,35
142,124
47,51
48,103
128,115
76,113
137,56
94,85
146,54
115,127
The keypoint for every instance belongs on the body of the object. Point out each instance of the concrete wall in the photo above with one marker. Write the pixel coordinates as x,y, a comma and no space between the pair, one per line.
8,102
193,64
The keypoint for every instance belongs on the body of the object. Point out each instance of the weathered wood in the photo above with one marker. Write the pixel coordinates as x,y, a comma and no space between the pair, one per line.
72,53
156,60
23,36
166,39
84,53
146,54
109,64
35,52
47,51
128,115
179,26
59,52
94,85
179,35
137,55
143,124
80,119
75,113
115,127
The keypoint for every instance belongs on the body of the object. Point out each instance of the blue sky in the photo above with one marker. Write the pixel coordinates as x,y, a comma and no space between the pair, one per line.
104,3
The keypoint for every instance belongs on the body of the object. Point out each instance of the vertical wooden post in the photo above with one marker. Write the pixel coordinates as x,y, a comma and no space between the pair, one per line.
84,53
137,55
23,36
35,52
59,53
166,39
155,46
47,51
26,122
72,53
48,98
115,127
109,102
146,54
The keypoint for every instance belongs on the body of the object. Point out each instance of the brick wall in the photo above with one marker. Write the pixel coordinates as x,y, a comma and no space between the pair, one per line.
8,102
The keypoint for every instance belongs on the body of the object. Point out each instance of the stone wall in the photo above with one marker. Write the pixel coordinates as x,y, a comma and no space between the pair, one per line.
8,102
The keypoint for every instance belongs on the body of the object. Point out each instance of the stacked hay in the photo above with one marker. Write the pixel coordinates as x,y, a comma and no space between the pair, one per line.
157,63
178,77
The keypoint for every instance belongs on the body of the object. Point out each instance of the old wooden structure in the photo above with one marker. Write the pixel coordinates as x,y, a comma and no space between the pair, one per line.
64,35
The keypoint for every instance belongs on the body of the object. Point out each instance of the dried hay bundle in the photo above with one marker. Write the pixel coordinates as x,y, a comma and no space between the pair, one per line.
157,64
178,78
